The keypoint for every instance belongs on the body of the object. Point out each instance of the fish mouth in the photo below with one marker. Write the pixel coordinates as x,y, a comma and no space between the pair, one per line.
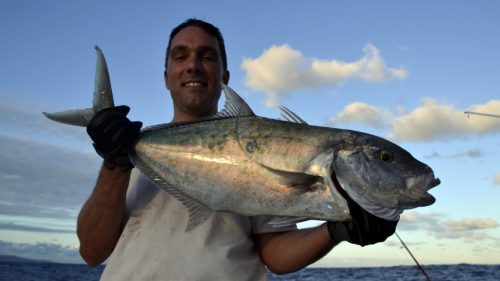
428,198
419,187
414,195
435,182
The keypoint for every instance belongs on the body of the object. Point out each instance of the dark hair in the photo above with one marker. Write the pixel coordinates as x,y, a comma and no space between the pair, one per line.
208,28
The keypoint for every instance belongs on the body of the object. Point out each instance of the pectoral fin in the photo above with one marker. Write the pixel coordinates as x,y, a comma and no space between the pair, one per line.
295,180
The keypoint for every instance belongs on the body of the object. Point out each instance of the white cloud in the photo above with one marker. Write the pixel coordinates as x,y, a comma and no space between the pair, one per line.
429,121
34,179
362,113
38,157
466,228
414,220
471,153
30,228
496,179
9,177
471,224
403,48
440,227
433,120
41,251
281,69
29,123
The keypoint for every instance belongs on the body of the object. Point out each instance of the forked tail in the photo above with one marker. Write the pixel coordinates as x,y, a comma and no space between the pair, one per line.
103,97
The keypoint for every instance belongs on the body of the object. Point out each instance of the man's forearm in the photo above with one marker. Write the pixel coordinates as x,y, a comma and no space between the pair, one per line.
101,218
290,251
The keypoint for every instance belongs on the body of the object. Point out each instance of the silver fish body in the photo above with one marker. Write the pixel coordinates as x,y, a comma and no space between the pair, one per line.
239,162
265,169
256,166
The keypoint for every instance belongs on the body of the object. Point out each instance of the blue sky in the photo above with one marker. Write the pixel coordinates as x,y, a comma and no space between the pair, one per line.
403,70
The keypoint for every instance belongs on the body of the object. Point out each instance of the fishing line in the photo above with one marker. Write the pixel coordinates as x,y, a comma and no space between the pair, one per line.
413,257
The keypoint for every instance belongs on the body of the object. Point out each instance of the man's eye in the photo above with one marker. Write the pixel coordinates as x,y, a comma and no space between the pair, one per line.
208,57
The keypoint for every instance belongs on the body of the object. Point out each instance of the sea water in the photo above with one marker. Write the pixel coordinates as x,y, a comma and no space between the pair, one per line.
77,272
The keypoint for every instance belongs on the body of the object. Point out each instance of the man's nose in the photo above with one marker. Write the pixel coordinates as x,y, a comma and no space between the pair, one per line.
194,64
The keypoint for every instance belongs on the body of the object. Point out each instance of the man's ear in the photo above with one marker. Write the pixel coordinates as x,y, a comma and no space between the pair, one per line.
225,77
165,78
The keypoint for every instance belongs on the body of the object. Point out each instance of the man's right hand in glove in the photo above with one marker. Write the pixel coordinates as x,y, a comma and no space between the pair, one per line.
114,135
363,228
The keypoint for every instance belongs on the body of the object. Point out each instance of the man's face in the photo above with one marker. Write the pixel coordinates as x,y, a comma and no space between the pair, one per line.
194,74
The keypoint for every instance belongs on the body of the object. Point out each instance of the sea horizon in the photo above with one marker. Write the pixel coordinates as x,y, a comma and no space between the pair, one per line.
19,258
36,270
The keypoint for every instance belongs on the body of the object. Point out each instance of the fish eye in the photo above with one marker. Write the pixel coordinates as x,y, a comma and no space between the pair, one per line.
385,156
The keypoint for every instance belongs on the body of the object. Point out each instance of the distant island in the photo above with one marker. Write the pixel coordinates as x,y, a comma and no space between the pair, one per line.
7,258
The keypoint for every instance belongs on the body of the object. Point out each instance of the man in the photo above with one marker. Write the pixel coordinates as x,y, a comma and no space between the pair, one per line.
142,229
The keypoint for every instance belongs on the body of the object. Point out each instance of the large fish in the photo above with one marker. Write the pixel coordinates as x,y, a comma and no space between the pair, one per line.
238,162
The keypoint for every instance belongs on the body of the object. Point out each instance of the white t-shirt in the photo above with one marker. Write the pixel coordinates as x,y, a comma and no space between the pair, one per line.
155,246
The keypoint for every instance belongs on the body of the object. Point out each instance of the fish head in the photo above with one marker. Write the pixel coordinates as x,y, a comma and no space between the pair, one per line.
382,177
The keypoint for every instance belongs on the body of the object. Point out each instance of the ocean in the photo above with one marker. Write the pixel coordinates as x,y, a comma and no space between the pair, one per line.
21,271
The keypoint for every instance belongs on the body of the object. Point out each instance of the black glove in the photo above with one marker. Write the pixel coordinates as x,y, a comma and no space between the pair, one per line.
114,135
363,228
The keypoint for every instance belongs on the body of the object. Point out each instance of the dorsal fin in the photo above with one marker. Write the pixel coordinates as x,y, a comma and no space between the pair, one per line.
291,116
234,105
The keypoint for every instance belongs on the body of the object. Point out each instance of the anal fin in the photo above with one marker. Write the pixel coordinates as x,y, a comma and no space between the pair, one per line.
198,212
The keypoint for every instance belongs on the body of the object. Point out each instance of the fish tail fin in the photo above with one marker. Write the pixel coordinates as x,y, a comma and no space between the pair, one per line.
103,98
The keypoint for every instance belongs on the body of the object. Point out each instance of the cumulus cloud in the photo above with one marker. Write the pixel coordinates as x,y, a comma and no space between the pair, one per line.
30,228
431,120
471,153
469,229
42,180
416,220
470,224
44,173
496,179
41,251
364,114
281,69
439,226
29,123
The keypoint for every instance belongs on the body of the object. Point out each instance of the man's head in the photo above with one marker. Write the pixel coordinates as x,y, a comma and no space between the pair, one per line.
208,28
195,66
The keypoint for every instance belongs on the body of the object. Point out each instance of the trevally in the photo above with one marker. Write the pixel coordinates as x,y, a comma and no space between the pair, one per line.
238,162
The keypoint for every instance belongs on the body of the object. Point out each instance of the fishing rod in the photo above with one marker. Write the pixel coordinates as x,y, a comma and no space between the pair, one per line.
413,257
468,113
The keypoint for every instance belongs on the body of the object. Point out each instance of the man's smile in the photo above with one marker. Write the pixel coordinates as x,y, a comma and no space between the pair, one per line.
194,84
